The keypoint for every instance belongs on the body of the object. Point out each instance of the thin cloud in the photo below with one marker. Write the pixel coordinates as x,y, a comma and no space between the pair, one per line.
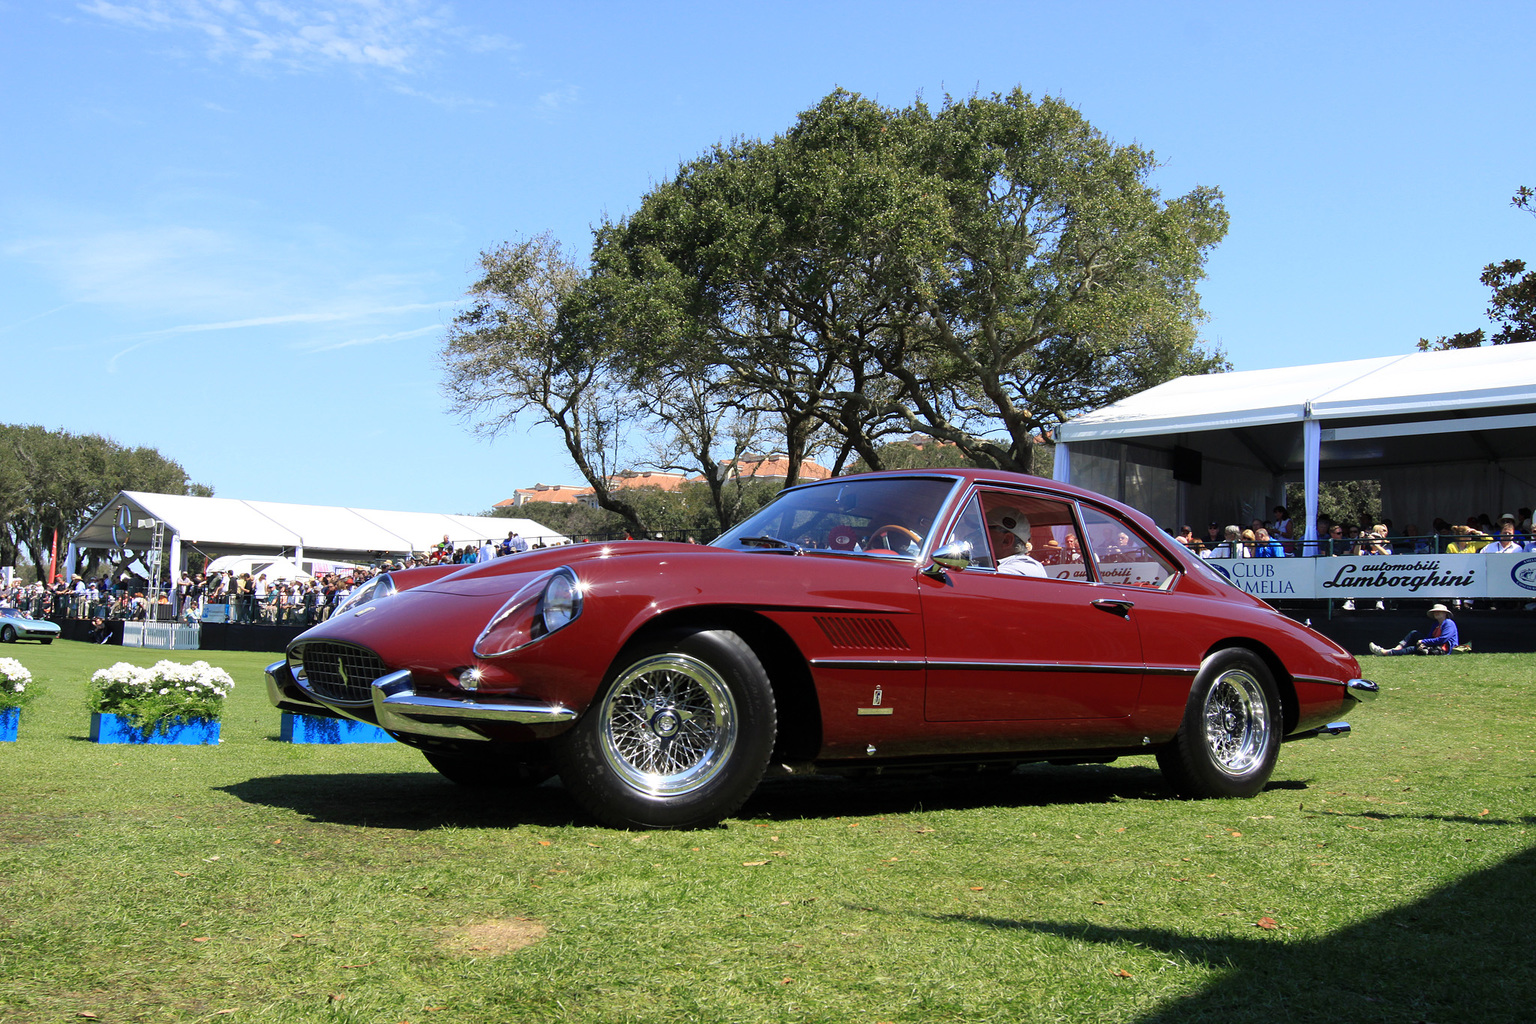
35,316
294,318
146,339
376,339
396,35
557,100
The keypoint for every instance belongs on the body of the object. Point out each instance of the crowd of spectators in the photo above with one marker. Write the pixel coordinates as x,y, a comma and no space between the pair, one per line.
1280,537
244,598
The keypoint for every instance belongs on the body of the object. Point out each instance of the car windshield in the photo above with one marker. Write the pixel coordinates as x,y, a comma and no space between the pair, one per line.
880,516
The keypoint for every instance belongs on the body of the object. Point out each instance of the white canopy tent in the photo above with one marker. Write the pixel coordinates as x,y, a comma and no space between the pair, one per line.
228,526
1446,433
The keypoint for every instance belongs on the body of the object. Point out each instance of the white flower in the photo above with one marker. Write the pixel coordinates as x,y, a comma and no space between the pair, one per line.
164,691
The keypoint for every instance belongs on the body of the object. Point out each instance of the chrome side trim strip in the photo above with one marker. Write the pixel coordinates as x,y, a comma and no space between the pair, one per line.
1173,670
399,708
1038,666
870,664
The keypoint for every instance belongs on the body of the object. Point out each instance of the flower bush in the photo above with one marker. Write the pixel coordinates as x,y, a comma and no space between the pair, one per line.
14,678
153,698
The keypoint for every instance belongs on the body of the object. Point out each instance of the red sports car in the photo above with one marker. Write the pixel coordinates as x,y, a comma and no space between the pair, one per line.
888,619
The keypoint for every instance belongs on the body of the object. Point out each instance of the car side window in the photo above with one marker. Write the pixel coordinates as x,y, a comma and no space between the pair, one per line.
1120,555
971,529
1022,534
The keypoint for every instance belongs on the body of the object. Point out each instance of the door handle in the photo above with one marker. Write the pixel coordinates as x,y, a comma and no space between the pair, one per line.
1115,607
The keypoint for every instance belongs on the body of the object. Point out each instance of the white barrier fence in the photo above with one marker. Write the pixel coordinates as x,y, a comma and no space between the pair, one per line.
163,636
1433,577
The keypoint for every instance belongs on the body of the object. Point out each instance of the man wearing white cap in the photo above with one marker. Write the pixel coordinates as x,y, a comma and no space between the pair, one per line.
1010,539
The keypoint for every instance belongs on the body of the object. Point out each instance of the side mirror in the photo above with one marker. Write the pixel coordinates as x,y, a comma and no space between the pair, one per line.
954,555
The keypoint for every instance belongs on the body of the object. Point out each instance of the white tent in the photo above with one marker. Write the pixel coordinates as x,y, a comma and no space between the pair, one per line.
1445,432
272,568
225,526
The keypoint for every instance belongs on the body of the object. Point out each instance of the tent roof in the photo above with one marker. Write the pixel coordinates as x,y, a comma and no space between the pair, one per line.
234,525
1421,383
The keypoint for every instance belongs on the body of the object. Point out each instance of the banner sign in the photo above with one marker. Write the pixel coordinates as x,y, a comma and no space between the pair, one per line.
1429,576
1345,578
1269,579
1512,575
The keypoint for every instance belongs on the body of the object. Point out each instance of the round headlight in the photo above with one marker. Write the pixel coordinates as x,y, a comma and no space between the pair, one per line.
561,602
545,605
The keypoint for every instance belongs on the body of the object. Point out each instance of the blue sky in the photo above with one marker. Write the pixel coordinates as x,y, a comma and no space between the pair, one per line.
235,230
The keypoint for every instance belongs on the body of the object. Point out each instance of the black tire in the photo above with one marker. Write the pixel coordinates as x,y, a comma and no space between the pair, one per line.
8,635
1230,737
679,737
495,768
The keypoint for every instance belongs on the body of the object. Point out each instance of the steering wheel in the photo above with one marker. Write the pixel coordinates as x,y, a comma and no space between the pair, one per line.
891,528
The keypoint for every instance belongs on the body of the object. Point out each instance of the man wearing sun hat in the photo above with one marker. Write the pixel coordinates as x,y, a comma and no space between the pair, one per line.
1441,640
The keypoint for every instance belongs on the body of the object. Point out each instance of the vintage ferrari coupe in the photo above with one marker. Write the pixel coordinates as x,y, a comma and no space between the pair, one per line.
876,621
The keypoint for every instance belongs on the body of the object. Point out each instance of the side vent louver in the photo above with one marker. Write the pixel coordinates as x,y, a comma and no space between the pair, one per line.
860,633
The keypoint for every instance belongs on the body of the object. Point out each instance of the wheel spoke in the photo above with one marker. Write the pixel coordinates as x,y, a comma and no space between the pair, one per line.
669,724
1236,722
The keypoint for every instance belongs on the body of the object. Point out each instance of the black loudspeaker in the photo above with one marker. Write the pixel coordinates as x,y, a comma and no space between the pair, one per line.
1186,465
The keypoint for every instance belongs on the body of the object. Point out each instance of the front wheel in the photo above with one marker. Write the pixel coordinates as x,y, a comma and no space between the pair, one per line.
680,736
1230,737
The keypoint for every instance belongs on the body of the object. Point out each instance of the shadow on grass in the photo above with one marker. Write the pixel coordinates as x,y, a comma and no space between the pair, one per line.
414,801
424,800
1463,953
830,796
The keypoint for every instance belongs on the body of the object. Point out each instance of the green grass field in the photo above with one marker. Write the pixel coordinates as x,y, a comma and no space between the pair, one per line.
1386,876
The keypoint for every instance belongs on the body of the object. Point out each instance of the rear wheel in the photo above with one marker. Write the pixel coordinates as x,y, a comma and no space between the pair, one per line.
8,634
1230,736
680,736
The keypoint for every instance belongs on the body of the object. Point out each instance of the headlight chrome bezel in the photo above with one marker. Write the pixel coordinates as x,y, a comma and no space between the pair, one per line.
376,589
545,605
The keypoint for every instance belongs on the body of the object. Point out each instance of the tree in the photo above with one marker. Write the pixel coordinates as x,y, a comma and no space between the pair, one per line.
55,481
509,354
915,452
978,275
1511,302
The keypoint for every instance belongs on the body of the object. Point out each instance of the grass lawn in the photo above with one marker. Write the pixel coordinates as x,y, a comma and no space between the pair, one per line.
1386,876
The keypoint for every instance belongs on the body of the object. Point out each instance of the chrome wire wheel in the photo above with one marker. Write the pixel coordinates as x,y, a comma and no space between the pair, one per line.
668,725
1237,722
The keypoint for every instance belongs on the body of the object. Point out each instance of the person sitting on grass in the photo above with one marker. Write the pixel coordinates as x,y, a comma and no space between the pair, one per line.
1441,640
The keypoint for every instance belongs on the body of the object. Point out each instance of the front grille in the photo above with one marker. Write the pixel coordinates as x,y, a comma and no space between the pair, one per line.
340,672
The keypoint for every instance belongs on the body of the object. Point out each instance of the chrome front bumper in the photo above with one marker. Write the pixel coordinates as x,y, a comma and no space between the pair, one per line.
398,708
1361,690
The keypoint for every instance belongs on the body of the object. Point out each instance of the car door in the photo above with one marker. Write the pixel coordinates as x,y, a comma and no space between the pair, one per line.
1004,647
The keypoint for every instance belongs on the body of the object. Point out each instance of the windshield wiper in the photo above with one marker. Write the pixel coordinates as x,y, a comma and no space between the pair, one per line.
770,542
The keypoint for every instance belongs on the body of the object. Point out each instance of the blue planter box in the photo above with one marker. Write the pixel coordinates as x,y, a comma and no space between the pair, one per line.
9,719
320,729
117,729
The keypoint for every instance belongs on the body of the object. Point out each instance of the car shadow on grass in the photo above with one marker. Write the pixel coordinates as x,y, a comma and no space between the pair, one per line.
1462,953
903,792
414,801
425,800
